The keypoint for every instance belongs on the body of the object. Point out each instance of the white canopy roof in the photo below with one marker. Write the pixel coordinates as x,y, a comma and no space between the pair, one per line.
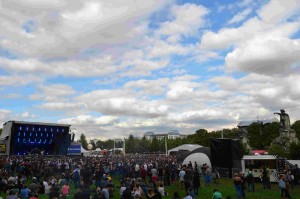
186,147
200,158
83,150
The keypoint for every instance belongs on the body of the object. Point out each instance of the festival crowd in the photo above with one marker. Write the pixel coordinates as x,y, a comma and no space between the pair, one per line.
139,176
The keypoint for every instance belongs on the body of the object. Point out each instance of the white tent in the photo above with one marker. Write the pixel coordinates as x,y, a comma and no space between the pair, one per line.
84,152
185,147
200,158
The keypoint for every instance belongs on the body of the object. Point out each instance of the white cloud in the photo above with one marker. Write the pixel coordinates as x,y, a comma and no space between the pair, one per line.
229,37
19,80
26,115
149,87
276,10
119,102
240,16
11,96
144,67
266,55
226,83
65,28
63,106
5,115
137,75
187,19
161,49
78,68
53,93
180,90
85,120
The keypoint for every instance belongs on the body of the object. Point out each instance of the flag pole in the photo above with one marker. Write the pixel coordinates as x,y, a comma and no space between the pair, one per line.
166,146
114,146
124,147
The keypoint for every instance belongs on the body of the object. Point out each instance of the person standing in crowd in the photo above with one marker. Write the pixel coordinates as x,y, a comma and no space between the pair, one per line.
196,181
282,186
54,192
250,180
287,179
12,195
76,177
216,194
188,178
176,195
203,172
181,176
242,176
296,174
24,192
65,190
237,181
207,176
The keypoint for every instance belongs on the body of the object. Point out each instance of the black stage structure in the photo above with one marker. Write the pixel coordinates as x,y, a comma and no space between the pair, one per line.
24,138
226,153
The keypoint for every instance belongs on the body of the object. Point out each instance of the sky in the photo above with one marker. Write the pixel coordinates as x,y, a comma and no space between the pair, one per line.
112,68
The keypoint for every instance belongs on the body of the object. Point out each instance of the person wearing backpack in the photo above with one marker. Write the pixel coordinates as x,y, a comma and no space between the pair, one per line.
250,180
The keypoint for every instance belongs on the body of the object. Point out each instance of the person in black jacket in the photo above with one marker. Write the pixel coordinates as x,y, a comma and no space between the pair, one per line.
54,193
196,181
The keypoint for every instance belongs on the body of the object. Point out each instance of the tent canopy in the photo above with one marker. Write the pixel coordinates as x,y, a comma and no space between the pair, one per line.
83,150
185,147
200,158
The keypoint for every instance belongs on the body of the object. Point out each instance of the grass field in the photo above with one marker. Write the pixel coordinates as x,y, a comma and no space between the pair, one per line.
225,186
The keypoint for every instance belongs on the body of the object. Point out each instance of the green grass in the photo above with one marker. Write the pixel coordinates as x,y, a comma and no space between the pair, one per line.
225,186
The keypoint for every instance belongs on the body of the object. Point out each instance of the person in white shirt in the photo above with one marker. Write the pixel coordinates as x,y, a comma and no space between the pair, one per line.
181,177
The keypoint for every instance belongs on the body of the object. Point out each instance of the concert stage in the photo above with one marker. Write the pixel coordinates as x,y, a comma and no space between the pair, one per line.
24,138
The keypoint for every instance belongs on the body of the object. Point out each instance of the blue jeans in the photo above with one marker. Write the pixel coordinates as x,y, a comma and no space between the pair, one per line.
239,192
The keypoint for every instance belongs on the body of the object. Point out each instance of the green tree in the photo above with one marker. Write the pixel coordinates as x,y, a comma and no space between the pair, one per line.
276,149
296,127
201,131
261,136
83,141
143,145
130,144
107,144
295,151
154,144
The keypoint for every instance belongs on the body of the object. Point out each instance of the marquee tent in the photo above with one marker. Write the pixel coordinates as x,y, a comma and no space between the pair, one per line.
184,148
199,158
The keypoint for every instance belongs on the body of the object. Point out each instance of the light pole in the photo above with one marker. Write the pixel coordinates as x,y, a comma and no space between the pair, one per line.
166,145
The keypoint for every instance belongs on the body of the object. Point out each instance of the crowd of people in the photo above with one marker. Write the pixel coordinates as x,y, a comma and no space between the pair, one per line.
138,176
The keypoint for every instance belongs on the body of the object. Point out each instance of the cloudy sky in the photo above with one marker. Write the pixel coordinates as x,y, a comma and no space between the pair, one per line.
111,68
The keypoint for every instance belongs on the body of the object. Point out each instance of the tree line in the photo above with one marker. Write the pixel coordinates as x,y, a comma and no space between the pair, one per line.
260,137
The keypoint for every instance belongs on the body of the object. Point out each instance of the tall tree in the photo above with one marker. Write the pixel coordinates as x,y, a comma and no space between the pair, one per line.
154,145
130,144
143,145
296,127
261,136
83,141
